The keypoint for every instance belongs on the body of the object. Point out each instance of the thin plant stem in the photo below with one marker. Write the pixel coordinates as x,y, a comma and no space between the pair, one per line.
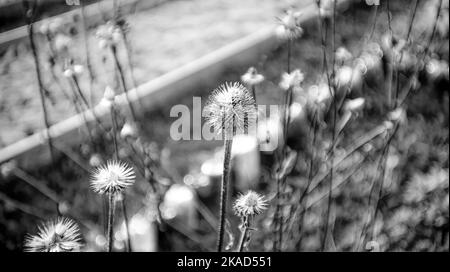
122,80
310,176
289,53
30,27
424,54
126,44
333,133
114,132
111,207
224,191
125,219
244,233
254,93
92,77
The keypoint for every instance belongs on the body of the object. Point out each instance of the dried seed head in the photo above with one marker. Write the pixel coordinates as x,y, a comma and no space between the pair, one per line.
318,94
60,235
113,177
289,28
108,34
292,80
342,54
397,115
128,130
230,108
249,204
62,42
354,104
95,160
252,77
7,168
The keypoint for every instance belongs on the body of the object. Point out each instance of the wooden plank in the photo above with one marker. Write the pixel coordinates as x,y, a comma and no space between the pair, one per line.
95,14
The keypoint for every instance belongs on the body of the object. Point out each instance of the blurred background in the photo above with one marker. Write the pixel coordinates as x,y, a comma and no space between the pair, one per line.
181,214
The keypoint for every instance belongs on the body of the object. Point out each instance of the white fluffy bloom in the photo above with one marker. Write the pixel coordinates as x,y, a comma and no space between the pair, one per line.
113,177
289,27
62,42
60,235
128,130
108,97
319,93
252,77
399,114
354,104
342,54
230,108
294,79
249,204
108,34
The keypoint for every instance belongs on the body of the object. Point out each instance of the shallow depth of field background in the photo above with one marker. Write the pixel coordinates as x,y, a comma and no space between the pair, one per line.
413,210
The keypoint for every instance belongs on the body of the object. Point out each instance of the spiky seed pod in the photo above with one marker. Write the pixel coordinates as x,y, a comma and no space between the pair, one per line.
230,108
249,204
113,177
59,235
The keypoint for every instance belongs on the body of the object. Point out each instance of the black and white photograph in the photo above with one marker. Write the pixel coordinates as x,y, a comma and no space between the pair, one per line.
224,126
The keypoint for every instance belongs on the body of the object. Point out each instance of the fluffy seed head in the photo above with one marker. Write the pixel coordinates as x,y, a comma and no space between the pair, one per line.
249,204
108,97
291,80
113,177
252,77
108,34
230,108
342,54
128,130
289,27
59,235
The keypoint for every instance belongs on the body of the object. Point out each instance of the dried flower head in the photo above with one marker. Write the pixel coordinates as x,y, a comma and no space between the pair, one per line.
230,108
252,77
249,204
292,80
95,160
342,54
108,34
62,42
108,97
7,168
73,69
128,130
289,28
59,235
55,25
397,115
354,104
113,177
318,94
